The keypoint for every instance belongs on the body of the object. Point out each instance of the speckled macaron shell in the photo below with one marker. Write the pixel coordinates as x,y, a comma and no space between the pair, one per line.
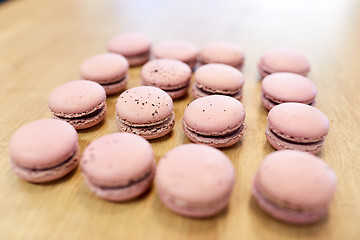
297,126
214,120
217,78
182,190
177,49
171,75
222,52
146,111
81,103
44,150
283,60
279,88
294,187
134,46
107,69
118,166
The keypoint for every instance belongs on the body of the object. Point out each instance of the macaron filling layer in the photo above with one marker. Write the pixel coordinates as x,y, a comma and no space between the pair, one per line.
114,82
48,173
204,91
285,212
149,131
274,101
97,112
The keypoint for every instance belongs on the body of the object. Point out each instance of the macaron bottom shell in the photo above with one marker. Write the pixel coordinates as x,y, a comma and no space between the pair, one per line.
287,215
199,91
115,87
280,143
123,192
215,139
83,120
148,132
137,60
47,174
194,210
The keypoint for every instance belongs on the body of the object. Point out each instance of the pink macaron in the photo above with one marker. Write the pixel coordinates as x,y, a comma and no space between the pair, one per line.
107,69
297,126
177,49
44,150
171,75
214,120
294,187
134,46
283,60
217,78
222,52
283,87
81,103
118,166
146,111
195,180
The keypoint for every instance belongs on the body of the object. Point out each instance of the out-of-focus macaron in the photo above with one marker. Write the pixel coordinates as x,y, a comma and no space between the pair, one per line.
297,126
195,180
107,69
177,49
222,52
145,111
134,46
118,166
171,75
44,150
283,60
81,103
214,120
279,88
294,187
217,78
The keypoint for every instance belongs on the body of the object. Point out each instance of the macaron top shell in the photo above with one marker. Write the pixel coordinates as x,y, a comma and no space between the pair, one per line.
222,52
104,68
144,105
166,73
219,76
298,120
288,87
195,173
177,49
296,180
76,96
285,60
214,114
43,144
116,159
130,43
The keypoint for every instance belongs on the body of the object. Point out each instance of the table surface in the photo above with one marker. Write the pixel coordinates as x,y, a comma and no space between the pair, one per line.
42,44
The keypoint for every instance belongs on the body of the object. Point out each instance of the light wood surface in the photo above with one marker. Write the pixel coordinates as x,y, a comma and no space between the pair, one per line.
42,44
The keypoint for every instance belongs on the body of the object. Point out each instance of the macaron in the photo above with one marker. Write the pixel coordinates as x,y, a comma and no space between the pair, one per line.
297,126
80,103
171,75
118,166
214,120
177,49
107,69
284,87
195,180
146,111
44,150
222,52
134,46
217,78
283,60
294,187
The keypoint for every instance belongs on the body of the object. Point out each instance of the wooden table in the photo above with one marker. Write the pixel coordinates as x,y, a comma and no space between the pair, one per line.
42,44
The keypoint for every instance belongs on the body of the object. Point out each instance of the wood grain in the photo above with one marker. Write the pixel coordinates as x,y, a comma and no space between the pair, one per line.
42,44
